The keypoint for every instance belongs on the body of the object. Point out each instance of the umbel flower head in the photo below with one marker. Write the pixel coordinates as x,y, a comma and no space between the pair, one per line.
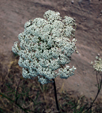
97,64
45,47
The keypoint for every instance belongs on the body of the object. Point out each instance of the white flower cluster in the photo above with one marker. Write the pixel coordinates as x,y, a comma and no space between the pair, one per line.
97,64
45,47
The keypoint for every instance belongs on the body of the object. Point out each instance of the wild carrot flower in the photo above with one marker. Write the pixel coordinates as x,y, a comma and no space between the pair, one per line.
45,47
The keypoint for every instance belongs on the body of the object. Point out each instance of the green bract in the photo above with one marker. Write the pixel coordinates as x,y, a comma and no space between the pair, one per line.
45,47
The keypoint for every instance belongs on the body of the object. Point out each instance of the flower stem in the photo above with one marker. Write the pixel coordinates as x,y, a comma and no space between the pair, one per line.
99,89
57,106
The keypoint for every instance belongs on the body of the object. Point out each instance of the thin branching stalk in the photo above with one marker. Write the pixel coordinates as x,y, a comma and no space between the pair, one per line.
17,92
99,89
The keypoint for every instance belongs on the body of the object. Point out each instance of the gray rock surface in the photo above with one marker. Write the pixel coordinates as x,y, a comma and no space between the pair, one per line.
14,14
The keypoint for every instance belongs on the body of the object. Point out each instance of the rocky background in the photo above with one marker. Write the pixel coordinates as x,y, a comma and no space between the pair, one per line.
88,16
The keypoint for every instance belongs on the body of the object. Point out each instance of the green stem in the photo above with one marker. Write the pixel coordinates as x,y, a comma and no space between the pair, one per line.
13,102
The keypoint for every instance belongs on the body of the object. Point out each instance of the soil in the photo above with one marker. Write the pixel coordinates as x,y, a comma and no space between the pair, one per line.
88,16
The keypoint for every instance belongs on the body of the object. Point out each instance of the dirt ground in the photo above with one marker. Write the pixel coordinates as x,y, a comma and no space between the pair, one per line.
88,16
